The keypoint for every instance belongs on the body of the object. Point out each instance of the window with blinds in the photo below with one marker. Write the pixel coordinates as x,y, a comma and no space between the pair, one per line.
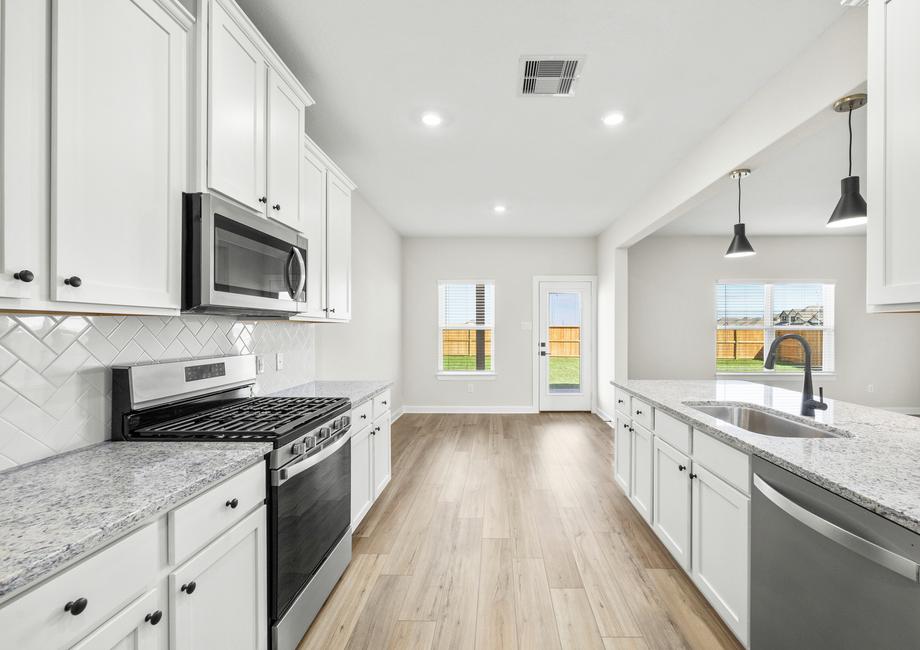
749,316
466,327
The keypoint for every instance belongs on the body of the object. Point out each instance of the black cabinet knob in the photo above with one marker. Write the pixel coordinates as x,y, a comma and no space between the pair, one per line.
76,607
154,618
638,412
332,311
384,402
73,281
681,468
364,416
619,401
263,199
277,206
692,475
189,588
25,275
233,503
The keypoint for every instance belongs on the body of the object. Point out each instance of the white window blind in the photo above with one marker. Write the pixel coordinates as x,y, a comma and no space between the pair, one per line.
749,316
466,327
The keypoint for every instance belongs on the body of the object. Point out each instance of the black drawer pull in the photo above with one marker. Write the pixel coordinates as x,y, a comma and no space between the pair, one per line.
681,468
189,588
76,607
154,618
619,401
692,475
73,281
24,275
638,412
233,503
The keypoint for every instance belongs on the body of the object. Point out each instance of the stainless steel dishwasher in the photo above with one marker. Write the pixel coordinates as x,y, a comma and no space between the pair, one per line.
827,573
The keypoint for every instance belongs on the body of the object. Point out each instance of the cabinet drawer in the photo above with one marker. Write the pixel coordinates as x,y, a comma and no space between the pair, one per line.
641,412
381,403
726,462
623,400
672,431
361,416
107,581
196,523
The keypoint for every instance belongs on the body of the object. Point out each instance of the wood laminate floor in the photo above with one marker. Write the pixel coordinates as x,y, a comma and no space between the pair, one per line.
507,531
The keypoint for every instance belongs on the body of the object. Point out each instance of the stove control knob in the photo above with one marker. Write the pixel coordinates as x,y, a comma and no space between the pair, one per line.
346,420
323,433
299,448
336,424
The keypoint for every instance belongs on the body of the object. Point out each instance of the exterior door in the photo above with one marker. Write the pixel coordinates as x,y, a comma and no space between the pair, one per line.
565,353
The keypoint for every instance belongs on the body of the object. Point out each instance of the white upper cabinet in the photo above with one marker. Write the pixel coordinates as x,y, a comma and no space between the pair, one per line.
313,220
338,248
120,88
893,266
285,152
236,112
25,138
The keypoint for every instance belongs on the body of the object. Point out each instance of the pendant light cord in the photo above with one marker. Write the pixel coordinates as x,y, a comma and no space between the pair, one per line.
850,126
739,198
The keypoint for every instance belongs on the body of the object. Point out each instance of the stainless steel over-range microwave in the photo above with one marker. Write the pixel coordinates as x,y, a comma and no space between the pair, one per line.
236,263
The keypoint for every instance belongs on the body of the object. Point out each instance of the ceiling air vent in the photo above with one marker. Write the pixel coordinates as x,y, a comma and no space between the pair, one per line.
554,76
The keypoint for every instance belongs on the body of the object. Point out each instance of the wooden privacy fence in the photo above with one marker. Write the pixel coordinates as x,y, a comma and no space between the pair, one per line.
748,344
462,343
565,341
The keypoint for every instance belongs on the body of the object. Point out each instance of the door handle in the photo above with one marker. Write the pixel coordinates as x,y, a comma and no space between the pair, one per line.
542,353
860,545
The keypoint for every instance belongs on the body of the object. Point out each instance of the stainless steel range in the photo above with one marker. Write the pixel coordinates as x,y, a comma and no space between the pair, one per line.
309,467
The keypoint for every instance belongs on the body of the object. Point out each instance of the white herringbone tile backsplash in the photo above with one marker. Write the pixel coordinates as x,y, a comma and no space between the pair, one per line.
55,383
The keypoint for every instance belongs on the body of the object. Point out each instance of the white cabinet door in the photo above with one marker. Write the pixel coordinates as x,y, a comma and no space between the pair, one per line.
381,448
622,460
893,266
338,248
218,599
313,226
721,525
285,152
25,139
236,113
671,509
362,473
119,152
640,492
137,627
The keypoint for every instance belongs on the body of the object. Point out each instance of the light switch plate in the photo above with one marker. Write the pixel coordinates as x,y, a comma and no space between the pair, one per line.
279,361
260,365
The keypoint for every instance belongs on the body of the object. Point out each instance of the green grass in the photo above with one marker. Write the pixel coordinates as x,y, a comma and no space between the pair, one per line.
750,365
458,363
564,371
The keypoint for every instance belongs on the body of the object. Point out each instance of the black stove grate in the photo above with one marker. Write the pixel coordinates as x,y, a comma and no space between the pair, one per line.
259,418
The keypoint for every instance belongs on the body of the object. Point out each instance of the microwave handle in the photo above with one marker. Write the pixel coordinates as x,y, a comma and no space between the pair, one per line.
288,264
303,273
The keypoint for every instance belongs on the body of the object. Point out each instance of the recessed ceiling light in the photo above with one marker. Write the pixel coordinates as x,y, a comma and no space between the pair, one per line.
431,119
500,208
613,119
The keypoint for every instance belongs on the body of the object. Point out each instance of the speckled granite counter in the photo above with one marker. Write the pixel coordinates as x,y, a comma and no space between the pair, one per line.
56,510
876,466
356,391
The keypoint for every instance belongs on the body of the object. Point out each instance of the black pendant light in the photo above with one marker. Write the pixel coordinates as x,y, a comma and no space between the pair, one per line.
851,208
740,246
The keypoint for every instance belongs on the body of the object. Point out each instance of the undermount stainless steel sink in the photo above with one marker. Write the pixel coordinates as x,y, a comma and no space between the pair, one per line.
757,421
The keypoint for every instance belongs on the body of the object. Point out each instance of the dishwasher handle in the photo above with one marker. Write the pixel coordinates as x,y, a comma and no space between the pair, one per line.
870,550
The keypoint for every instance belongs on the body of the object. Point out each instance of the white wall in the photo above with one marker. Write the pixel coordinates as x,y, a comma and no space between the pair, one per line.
612,321
672,319
369,347
512,264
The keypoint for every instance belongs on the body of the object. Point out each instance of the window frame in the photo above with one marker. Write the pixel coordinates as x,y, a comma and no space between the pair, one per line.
465,374
829,302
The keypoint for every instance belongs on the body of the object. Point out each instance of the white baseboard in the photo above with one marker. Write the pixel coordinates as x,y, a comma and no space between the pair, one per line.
395,414
603,415
470,409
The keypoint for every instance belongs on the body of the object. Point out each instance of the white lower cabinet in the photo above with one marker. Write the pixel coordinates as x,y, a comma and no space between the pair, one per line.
671,502
370,454
622,459
640,491
136,627
721,531
218,598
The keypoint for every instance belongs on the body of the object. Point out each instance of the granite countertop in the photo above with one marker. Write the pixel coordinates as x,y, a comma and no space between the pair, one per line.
55,510
876,464
356,391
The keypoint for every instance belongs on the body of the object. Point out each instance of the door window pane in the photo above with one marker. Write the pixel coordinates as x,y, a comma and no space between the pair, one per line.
564,371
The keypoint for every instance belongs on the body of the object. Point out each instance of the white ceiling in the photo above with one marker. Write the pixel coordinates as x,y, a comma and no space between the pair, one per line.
677,69
792,191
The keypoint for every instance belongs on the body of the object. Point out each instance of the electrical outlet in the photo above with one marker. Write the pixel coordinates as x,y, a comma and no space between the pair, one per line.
469,388
279,361
260,365
870,388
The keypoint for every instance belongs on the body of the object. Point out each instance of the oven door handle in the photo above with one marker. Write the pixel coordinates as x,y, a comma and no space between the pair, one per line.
859,545
283,475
